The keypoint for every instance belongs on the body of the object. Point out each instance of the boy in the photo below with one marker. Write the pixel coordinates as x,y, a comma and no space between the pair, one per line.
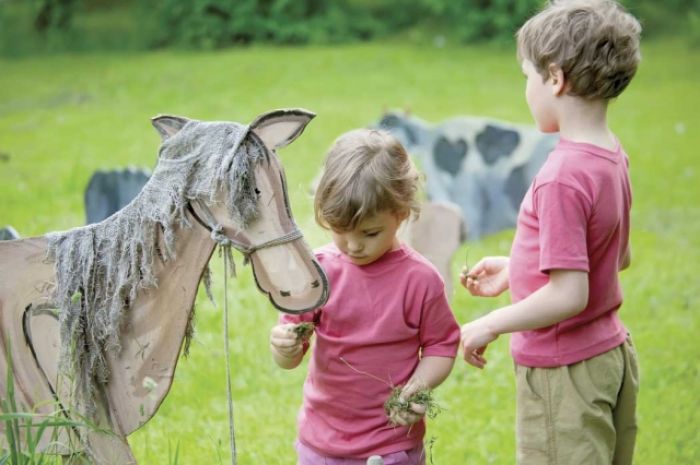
576,369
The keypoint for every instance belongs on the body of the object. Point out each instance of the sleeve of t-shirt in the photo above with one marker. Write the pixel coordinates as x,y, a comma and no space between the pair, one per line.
439,331
562,213
307,317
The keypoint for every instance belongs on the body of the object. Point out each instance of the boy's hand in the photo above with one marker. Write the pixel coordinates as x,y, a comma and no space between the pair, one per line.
285,342
475,338
488,278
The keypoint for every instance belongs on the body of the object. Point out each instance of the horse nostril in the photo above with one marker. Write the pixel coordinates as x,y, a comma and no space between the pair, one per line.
285,293
315,284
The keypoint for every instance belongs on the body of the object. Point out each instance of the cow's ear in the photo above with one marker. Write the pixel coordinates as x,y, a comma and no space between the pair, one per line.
278,128
167,125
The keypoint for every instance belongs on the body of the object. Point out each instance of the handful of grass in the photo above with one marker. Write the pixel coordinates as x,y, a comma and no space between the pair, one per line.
424,397
304,331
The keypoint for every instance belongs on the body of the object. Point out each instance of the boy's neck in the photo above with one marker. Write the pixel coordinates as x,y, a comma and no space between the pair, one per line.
585,121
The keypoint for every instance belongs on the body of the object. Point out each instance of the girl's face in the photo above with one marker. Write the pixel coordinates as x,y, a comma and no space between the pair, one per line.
372,237
540,97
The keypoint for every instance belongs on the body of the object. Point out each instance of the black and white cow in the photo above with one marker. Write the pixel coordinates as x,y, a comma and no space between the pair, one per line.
483,165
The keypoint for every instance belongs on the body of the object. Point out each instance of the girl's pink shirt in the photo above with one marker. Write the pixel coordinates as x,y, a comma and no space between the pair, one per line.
369,336
575,216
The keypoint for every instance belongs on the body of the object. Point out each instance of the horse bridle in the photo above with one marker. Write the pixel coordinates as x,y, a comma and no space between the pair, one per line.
206,218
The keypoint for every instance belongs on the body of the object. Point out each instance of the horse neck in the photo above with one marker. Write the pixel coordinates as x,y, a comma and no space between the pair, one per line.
193,249
154,331
178,279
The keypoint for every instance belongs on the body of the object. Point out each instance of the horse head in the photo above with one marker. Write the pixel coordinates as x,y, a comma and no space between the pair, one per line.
264,231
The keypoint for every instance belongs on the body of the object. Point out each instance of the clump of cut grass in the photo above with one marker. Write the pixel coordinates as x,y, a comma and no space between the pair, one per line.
396,403
304,331
423,397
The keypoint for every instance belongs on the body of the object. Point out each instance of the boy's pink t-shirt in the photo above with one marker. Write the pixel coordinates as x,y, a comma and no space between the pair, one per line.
379,319
575,216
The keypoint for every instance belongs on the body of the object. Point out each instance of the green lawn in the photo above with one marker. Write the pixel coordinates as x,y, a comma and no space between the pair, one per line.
63,117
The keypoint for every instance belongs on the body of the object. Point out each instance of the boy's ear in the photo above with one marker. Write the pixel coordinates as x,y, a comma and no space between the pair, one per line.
557,77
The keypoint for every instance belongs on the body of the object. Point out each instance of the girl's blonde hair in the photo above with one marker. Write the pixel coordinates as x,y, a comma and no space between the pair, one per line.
594,42
366,172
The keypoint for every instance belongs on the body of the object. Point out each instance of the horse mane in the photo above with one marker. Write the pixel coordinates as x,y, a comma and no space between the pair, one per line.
100,268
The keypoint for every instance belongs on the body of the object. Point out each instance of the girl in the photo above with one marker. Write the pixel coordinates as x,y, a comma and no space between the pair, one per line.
387,321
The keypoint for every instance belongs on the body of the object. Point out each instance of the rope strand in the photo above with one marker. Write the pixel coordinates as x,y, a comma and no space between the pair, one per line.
232,438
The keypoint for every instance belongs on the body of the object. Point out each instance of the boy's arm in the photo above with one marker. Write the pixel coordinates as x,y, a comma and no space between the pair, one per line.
565,295
627,259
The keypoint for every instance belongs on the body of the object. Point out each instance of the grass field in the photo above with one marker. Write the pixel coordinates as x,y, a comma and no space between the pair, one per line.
63,117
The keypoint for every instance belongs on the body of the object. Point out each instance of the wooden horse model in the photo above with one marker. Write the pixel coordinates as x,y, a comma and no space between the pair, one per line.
90,314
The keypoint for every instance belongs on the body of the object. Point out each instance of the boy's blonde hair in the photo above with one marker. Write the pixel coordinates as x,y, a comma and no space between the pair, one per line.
366,172
594,42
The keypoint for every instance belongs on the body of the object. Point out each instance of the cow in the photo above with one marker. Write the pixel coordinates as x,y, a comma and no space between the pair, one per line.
483,165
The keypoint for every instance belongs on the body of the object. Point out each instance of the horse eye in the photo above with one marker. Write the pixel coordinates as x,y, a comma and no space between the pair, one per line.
257,191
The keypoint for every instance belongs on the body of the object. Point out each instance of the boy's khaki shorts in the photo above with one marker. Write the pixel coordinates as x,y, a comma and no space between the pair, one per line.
579,414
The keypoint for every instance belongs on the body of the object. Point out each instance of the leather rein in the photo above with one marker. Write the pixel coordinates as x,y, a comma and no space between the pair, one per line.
208,221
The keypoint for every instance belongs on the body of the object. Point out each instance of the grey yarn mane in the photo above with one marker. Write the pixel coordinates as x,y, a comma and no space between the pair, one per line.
100,268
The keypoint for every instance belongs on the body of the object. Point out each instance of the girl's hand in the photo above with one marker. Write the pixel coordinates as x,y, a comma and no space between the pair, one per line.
407,417
488,278
414,411
284,341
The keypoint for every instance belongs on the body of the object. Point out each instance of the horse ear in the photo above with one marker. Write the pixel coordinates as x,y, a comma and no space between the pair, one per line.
278,128
167,125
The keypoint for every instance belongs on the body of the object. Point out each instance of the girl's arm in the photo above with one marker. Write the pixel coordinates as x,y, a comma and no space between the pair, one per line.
564,296
429,374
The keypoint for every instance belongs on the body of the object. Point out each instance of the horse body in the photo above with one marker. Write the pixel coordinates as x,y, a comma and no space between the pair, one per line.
156,322
24,278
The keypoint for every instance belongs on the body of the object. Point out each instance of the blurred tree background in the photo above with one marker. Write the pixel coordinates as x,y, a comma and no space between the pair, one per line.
30,27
